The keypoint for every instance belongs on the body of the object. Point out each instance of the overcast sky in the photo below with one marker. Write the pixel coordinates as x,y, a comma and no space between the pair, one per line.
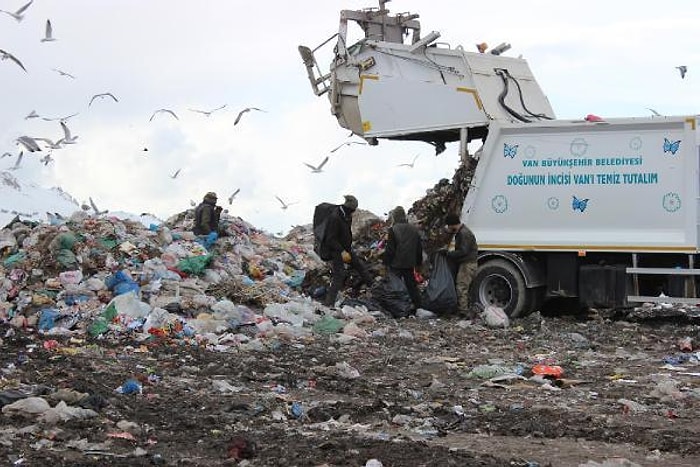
589,57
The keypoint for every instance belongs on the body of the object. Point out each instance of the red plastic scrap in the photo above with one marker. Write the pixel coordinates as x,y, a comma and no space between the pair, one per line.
51,344
548,370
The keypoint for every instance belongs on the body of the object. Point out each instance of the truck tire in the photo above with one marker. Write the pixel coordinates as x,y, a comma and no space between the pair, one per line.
499,283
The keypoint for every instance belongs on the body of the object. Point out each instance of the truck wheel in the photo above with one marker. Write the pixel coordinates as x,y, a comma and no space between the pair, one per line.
499,283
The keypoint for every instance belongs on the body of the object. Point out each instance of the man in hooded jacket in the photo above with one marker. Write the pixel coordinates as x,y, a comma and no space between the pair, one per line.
206,218
404,251
337,245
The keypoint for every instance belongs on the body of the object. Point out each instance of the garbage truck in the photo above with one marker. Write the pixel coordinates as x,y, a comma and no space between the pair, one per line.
600,210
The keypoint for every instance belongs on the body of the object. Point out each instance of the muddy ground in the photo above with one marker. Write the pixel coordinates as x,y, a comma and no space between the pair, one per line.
413,403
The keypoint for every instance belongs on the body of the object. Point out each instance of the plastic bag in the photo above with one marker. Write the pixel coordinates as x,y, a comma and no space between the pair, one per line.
121,283
194,265
495,317
392,295
440,296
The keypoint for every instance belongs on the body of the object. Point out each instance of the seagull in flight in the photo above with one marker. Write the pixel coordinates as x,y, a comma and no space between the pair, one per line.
163,110
60,119
46,159
94,208
207,112
63,73
230,198
67,138
411,164
102,96
50,144
247,109
174,176
284,205
18,15
346,144
32,114
4,55
7,154
318,168
48,34
683,70
29,143
18,161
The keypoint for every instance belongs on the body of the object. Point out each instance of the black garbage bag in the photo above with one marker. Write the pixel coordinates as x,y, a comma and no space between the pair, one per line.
440,295
391,293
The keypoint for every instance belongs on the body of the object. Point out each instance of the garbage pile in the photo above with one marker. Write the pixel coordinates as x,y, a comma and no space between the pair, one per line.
445,197
104,277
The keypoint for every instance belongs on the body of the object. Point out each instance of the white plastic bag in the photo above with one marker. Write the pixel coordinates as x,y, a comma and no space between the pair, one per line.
495,317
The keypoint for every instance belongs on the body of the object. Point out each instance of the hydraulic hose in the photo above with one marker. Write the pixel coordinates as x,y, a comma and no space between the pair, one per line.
504,93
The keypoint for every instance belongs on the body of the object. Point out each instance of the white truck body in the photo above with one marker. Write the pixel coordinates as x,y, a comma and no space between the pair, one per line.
603,211
621,185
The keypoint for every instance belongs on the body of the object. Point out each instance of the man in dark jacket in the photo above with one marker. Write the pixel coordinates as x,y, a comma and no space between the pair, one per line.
206,218
337,245
404,251
462,254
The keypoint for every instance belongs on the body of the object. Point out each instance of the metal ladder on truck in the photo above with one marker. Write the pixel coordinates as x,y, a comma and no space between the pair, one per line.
690,292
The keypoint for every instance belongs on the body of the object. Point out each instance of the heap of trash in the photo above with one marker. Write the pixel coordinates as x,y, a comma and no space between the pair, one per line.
104,277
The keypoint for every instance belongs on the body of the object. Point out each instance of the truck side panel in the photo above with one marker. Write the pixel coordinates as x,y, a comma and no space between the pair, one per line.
623,185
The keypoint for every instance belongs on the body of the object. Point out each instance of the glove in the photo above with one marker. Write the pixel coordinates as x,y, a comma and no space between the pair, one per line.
218,209
347,257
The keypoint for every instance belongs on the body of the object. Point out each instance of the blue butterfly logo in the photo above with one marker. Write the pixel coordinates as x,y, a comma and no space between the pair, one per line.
671,147
579,204
510,151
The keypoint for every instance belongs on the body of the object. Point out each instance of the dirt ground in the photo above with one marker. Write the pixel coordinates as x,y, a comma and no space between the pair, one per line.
413,403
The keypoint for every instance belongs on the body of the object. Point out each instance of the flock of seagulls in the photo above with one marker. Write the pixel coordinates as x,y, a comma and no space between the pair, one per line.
45,145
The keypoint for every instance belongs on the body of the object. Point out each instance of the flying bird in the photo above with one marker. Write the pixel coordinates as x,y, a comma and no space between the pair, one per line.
161,111
48,33
102,96
4,55
247,109
29,143
59,119
51,144
411,164
67,138
284,205
46,159
318,168
32,114
18,15
207,112
18,161
230,198
63,73
94,208
654,112
7,154
683,70
177,172
346,144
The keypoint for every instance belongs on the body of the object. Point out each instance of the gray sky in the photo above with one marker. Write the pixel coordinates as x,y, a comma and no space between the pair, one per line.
589,57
